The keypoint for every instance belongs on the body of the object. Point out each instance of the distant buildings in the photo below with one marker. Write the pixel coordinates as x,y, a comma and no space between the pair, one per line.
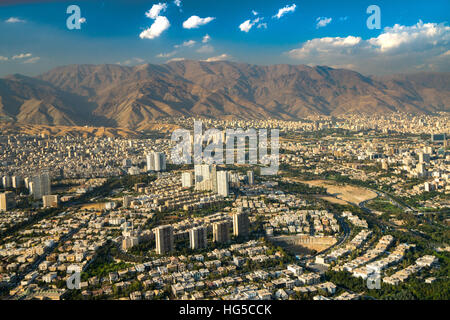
198,238
207,178
156,161
164,239
221,232
241,224
7,201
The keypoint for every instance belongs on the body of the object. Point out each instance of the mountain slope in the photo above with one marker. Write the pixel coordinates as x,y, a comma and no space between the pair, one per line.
132,96
29,100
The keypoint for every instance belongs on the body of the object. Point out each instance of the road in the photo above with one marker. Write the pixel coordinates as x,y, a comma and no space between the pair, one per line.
32,267
345,229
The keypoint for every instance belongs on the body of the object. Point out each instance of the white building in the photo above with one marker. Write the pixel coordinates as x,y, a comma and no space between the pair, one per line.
222,183
187,180
156,161
41,185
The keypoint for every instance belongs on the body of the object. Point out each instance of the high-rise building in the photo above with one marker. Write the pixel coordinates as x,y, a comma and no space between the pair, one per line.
187,179
213,177
198,238
50,201
421,170
251,177
438,137
205,177
241,224
164,239
222,183
127,163
6,182
41,185
127,201
160,161
156,161
129,242
7,201
16,181
221,233
31,187
26,182
150,162
233,178
130,236
424,157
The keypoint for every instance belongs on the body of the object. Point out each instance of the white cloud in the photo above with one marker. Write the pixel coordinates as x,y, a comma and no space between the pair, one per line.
176,59
222,57
283,11
160,25
396,49
156,9
206,38
206,49
21,56
177,3
189,43
195,22
255,13
248,24
132,61
322,22
419,36
167,54
32,60
14,20
82,20
262,25
3,58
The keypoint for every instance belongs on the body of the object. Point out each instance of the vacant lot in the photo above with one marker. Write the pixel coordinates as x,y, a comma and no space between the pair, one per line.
347,193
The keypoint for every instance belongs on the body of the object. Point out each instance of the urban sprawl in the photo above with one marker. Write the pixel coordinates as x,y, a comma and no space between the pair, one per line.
359,209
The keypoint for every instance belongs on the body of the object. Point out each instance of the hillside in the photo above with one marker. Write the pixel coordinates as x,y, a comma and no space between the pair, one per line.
131,97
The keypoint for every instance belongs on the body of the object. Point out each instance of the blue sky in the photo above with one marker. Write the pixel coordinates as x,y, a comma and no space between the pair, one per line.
414,35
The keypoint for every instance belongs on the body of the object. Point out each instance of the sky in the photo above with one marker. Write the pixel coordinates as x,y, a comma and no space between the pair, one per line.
412,36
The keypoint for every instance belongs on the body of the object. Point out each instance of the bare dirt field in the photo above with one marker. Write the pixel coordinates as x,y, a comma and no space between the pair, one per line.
333,200
347,193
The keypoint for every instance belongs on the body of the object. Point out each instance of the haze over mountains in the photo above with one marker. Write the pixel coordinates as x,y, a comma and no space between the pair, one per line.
129,97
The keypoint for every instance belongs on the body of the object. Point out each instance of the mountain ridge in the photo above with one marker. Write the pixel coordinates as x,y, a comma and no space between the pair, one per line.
130,97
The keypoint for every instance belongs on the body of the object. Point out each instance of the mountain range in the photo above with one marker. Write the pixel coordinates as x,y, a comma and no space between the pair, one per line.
131,97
